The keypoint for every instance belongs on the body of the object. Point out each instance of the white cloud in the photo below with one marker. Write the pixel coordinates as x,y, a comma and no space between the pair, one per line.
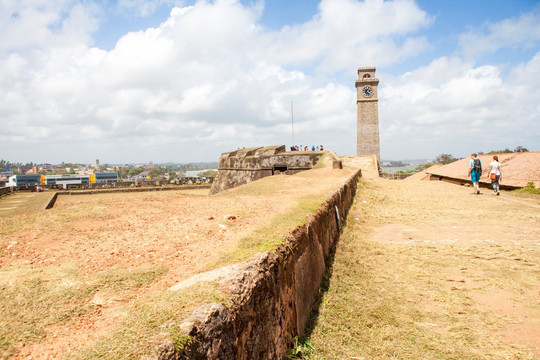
27,25
211,78
346,33
143,8
453,107
522,31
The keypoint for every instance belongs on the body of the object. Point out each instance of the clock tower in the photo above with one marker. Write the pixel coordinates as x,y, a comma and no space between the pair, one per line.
367,115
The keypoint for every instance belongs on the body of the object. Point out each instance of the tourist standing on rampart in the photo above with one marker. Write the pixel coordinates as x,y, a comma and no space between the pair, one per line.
475,171
495,174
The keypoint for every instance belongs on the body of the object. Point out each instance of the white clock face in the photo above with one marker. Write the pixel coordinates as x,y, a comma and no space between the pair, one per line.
367,91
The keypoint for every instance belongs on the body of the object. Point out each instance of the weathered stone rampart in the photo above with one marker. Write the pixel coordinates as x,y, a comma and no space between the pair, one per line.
245,165
272,293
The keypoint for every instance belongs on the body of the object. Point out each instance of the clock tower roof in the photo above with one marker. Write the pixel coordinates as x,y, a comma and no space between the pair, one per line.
366,76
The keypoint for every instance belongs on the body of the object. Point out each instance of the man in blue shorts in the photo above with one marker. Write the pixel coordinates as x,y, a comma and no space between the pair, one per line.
475,171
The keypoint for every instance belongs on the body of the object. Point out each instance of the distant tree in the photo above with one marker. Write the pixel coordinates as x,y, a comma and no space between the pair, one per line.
421,167
172,175
507,150
444,159
123,172
520,149
135,171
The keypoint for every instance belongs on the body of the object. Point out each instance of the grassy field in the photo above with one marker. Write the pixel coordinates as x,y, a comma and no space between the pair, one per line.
89,278
23,202
425,270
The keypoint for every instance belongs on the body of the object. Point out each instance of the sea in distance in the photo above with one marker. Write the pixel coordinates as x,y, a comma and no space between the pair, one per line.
408,165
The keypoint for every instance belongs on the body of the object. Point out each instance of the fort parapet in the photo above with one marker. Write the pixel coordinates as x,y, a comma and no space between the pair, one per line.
245,165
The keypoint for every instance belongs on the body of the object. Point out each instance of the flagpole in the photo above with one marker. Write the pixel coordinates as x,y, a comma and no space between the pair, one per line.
292,123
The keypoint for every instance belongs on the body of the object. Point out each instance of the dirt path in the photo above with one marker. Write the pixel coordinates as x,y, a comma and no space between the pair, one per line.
458,276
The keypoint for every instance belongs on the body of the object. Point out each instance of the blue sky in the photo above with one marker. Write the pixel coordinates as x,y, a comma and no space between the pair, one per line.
183,81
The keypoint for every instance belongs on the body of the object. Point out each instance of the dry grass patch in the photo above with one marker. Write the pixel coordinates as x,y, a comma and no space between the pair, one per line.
23,202
148,322
34,299
299,196
273,234
414,290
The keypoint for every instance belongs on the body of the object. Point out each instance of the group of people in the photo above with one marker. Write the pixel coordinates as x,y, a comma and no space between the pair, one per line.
494,174
306,148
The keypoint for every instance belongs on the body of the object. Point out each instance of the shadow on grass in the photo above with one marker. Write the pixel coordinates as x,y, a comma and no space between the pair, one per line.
325,286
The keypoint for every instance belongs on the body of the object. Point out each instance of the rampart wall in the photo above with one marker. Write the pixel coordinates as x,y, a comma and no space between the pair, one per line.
245,165
5,191
272,293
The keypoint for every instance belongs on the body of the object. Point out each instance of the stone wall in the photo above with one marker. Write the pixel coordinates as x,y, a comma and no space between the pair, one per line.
245,165
5,191
272,293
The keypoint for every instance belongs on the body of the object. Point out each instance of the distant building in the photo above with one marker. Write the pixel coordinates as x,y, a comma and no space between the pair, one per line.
6,174
104,177
145,175
34,170
66,179
46,167
20,180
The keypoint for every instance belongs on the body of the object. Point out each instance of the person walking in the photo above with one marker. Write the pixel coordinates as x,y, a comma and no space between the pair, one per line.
475,171
495,174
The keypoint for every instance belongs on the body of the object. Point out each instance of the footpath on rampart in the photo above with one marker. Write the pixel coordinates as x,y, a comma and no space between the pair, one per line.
425,270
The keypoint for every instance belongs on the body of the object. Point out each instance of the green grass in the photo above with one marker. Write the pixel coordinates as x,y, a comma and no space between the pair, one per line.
34,298
530,188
